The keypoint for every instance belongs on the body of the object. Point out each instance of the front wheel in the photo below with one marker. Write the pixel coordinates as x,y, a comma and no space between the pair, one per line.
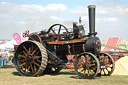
86,65
107,64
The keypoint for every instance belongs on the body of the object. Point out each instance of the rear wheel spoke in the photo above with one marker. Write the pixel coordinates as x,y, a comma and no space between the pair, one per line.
21,65
34,51
21,56
31,68
25,49
38,60
35,68
29,49
25,53
28,69
37,52
36,64
36,57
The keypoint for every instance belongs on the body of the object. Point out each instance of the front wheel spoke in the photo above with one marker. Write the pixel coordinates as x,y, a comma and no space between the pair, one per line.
104,71
88,73
107,70
84,72
101,70
104,59
92,64
91,71
88,59
108,66
93,68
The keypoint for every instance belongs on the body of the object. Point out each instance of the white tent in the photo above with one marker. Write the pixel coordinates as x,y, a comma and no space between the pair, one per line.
8,45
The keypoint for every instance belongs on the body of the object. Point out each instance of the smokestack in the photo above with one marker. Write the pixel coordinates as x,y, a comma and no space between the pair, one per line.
91,9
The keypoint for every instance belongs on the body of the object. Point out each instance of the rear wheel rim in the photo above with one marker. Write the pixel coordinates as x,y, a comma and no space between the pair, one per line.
31,58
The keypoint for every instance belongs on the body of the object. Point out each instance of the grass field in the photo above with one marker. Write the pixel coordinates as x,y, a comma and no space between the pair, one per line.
10,76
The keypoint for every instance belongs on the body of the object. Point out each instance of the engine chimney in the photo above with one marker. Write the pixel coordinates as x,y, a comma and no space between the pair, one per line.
91,9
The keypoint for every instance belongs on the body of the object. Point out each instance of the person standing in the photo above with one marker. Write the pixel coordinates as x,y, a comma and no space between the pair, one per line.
3,56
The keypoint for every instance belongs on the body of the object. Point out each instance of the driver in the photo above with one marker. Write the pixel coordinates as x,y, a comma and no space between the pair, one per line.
76,30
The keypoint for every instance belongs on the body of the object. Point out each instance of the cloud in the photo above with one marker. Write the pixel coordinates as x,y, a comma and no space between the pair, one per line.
112,9
29,8
2,15
79,11
107,9
56,7
111,19
17,17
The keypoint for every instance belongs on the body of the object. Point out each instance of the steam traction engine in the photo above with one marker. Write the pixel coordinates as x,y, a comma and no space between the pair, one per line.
45,51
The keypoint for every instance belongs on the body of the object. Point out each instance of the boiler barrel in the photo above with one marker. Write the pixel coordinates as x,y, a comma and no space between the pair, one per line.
92,45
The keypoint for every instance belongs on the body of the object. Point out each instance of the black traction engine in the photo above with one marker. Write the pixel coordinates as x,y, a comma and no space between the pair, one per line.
45,51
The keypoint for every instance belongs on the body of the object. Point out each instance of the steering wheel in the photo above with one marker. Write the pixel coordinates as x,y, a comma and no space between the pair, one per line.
60,27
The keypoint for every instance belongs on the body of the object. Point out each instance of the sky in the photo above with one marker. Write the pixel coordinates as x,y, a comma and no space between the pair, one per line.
16,16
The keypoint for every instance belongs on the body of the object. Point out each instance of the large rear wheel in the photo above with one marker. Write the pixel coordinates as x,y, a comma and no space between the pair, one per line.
31,58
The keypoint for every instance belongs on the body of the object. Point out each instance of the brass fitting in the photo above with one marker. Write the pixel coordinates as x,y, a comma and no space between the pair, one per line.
91,6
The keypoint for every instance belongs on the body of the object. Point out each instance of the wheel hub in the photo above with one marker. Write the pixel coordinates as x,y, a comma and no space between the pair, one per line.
102,65
87,65
29,58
